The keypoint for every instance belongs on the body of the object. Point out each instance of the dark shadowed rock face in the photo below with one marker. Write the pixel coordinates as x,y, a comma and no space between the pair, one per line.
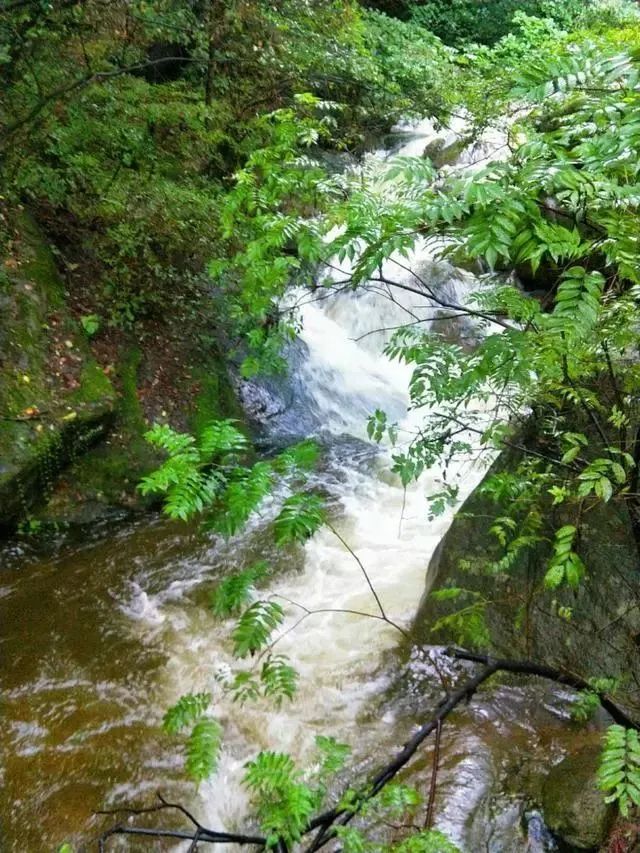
598,640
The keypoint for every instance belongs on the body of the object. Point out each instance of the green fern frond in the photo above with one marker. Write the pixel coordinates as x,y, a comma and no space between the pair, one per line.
243,496
172,442
192,494
300,457
577,301
284,804
203,749
619,772
222,437
236,591
279,678
255,626
333,754
429,841
186,711
300,517
244,687
270,771
352,840
397,799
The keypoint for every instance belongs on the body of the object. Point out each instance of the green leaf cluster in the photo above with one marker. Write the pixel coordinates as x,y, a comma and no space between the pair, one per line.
205,738
619,773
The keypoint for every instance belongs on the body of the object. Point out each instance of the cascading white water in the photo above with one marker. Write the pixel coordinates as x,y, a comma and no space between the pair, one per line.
101,636
339,655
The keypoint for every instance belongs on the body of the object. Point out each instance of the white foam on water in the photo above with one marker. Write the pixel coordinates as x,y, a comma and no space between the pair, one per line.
338,655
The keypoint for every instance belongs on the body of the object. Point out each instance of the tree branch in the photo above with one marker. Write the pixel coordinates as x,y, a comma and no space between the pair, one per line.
325,825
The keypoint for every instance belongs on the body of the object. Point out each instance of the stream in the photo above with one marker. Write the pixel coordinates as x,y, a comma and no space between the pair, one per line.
100,637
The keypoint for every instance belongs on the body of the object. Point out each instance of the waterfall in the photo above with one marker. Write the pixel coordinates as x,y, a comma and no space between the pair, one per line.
341,377
83,705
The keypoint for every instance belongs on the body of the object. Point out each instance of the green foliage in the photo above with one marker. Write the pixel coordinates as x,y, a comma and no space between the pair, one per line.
196,471
589,700
619,773
279,678
237,590
204,474
428,841
300,517
244,492
468,626
410,67
91,324
136,151
205,738
276,680
397,799
141,166
487,21
186,711
283,802
203,749
565,566
378,427
333,755
303,456
565,201
255,626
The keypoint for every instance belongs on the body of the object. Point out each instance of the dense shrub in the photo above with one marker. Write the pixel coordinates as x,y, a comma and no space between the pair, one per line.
487,21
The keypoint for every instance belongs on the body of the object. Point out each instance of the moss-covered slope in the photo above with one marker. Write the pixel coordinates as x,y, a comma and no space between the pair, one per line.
54,398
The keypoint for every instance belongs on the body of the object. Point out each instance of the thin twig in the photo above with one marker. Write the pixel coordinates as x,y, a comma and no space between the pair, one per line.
428,823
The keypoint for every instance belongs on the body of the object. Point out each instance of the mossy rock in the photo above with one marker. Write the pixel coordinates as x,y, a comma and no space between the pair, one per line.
574,809
55,400
466,558
444,153
104,481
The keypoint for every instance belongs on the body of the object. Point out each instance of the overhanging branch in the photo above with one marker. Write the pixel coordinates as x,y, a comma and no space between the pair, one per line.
324,826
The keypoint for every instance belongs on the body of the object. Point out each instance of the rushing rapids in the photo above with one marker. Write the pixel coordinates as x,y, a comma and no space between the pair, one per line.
102,637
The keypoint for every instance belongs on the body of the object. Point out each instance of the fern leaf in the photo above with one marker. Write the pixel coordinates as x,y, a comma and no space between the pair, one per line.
619,772
243,496
186,710
236,591
284,804
203,749
300,457
172,442
300,517
333,755
222,437
255,626
279,678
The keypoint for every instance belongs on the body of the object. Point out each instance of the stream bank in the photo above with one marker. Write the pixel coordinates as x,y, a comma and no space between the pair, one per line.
75,400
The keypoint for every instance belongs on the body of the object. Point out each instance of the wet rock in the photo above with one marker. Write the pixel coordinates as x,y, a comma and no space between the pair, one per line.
444,151
599,604
574,808
539,839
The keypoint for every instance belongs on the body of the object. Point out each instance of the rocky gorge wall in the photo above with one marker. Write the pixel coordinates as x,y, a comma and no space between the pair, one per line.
600,633
73,406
